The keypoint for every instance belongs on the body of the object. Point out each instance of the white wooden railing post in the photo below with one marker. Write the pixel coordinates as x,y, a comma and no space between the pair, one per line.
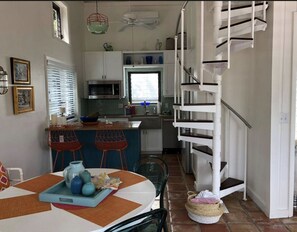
245,161
176,81
229,32
182,53
201,41
264,10
253,22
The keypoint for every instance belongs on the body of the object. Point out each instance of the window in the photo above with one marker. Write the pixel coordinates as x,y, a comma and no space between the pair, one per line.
57,21
62,89
60,21
144,86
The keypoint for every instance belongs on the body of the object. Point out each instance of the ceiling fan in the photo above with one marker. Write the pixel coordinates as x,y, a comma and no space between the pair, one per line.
147,19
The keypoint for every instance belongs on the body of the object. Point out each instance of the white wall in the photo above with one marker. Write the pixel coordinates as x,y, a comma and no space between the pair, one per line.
247,88
140,38
26,33
261,80
282,145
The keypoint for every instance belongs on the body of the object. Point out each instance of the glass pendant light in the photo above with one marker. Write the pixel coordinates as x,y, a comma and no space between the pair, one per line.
97,23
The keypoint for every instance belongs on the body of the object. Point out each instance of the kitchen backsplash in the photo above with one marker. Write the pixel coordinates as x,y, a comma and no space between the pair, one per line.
112,107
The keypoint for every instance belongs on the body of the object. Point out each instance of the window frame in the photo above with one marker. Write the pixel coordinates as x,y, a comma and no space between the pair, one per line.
62,68
62,10
141,72
56,9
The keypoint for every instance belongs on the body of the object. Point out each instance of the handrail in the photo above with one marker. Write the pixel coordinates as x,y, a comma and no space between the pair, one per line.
236,113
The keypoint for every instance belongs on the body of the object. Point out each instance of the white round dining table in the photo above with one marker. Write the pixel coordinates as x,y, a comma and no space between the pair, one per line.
140,194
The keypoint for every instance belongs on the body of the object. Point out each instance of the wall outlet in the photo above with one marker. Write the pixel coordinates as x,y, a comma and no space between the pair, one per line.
120,105
284,118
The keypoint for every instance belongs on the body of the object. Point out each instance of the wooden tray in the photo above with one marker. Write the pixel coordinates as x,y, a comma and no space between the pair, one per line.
60,193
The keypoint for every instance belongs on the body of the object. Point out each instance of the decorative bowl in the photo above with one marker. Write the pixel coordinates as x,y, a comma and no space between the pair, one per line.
88,119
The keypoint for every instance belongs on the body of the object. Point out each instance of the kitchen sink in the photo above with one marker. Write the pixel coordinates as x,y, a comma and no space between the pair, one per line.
152,121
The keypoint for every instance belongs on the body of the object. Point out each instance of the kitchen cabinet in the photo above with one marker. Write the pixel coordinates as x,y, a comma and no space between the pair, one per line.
103,65
151,141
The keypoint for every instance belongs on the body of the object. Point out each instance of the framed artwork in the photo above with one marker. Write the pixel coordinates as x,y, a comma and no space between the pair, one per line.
20,71
23,99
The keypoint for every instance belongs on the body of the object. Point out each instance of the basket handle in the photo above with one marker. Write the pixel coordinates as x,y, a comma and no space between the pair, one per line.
191,194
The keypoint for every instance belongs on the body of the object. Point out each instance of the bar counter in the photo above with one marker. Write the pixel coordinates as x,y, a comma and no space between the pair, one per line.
131,125
91,156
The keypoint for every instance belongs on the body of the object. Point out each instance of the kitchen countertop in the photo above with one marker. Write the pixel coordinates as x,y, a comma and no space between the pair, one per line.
136,115
131,125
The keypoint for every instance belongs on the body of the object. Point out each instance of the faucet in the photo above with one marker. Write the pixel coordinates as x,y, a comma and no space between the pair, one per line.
145,109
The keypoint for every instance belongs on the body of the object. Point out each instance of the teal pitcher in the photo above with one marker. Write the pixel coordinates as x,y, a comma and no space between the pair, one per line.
74,169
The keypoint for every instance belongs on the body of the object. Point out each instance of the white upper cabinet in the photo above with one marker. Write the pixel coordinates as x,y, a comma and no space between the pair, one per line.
113,65
104,65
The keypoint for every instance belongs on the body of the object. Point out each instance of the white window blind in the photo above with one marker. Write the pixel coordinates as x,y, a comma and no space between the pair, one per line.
62,88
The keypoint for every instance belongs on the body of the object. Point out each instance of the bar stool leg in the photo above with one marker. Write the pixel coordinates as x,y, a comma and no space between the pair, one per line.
57,153
62,159
81,155
73,155
121,158
102,158
125,160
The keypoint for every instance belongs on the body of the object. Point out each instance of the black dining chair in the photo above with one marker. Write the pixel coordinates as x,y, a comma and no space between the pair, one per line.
151,221
156,170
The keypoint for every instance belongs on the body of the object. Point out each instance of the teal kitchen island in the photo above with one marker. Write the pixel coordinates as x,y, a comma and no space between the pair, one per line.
91,155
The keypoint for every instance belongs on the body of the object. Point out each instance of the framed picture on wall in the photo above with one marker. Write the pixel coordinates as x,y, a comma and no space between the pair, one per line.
23,99
20,71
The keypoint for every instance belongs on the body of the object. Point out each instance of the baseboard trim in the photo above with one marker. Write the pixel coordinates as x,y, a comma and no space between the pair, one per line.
258,201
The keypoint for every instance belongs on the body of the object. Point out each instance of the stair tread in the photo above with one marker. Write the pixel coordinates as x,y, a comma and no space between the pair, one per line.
223,165
204,149
234,38
230,182
199,83
195,104
244,21
191,134
244,6
214,61
194,121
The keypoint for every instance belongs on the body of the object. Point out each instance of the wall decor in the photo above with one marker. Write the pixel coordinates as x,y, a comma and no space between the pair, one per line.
20,71
23,99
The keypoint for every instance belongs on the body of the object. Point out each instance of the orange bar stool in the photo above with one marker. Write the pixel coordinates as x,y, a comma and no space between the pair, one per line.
107,140
64,140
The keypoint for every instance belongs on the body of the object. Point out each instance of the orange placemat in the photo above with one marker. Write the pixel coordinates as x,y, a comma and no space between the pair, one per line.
127,178
107,211
22,205
40,183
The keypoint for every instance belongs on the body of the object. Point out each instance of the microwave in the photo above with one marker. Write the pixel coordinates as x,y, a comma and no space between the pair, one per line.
104,89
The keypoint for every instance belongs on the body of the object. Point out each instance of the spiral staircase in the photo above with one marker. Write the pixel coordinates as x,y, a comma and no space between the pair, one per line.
234,25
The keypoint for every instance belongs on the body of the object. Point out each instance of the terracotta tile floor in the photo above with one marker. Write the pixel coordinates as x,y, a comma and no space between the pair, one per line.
243,216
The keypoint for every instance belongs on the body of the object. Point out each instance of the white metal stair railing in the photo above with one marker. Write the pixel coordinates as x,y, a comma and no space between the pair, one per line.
216,68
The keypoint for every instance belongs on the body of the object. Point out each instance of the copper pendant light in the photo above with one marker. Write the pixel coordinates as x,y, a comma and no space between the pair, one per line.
97,23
